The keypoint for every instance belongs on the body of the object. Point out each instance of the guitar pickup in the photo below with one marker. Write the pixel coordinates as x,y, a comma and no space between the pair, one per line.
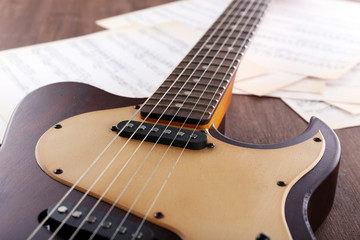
107,230
173,136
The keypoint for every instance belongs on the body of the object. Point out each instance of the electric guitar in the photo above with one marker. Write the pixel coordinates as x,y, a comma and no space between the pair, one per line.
80,163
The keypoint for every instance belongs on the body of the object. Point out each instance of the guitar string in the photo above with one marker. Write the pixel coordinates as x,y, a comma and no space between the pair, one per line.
164,183
73,209
101,198
173,168
119,196
102,153
37,229
124,189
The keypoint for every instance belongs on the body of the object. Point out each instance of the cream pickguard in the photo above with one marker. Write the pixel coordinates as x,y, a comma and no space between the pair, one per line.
214,193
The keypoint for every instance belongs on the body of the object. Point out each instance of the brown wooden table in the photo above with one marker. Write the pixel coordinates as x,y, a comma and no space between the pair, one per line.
249,119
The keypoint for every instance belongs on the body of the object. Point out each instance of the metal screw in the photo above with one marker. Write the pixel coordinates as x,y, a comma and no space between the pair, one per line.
317,139
159,215
114,128
211,145
58,171
281,183
57,126
262,236
137,106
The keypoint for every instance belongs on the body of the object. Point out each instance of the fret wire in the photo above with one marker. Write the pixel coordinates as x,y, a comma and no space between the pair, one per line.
180,101
180,108
185,95
199,83
207,70
185,62
215,79
189,89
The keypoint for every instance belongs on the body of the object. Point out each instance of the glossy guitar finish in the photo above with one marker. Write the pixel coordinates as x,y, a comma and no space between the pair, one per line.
26,190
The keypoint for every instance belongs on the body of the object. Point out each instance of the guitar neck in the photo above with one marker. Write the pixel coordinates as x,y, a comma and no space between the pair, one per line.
198,86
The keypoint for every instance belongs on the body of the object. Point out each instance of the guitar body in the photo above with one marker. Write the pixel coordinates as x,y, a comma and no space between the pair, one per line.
230,191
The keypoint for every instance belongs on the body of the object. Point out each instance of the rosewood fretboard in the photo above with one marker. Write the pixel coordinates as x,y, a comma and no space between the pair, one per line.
192,92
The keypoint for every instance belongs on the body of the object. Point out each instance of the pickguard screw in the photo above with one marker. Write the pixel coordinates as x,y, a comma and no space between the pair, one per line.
58,171
211,145
281,183
262,236
159,215
317,139
57,126
114,128
137,106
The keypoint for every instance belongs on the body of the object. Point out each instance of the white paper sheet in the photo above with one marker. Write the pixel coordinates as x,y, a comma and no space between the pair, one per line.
131,63
267,83
350,108
198,14
312,38
331,115
307,85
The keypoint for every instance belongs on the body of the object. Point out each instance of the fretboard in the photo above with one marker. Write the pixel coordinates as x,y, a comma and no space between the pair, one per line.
193,91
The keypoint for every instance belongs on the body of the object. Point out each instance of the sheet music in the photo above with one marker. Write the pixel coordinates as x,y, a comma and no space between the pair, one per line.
198,14
312,38
120,62
306,37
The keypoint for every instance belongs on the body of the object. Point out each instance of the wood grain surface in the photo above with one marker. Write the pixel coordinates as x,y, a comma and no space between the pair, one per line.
249,119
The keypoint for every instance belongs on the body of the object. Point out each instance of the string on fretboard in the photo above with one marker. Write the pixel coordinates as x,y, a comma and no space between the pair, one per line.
208,68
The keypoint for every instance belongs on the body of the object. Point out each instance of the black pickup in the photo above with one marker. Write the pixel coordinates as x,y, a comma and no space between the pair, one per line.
106,230
173,136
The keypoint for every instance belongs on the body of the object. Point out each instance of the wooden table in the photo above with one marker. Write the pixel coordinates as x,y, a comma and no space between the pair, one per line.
249,119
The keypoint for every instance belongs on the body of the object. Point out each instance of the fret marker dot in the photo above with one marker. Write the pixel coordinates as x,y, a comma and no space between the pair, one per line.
205,66
208,46
187,92
178,105
196,80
